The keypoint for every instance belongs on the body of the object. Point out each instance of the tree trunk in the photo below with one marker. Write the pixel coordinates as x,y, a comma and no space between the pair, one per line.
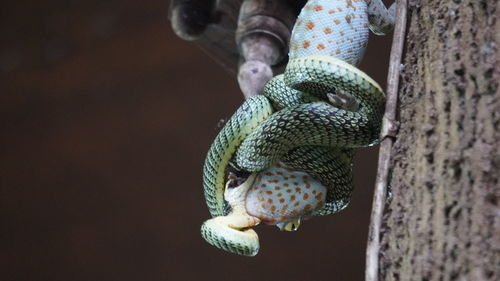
442,221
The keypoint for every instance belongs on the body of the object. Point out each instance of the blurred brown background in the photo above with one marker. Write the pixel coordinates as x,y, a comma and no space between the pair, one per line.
105,118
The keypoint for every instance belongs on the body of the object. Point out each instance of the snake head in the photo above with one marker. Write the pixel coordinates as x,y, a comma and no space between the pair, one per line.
233,232
277,196
226,233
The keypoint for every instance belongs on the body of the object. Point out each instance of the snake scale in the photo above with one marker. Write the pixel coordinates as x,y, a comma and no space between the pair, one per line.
293,145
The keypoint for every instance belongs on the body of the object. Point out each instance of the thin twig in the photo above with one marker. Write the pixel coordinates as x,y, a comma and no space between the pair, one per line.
389,129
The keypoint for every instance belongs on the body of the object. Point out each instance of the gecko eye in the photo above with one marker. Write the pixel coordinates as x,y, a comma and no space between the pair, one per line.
292,225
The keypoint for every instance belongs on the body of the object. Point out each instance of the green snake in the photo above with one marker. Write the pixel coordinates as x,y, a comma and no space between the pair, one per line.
297,128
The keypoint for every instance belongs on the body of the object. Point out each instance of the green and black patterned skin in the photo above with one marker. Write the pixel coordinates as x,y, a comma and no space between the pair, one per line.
251,113
310,134
316,123
299,129
295,123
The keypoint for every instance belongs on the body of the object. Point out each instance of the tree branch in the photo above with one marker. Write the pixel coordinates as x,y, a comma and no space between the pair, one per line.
388,134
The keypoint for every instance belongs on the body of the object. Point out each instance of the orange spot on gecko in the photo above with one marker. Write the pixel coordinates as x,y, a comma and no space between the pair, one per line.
337,51
295,212
288,190
284,218
349,4
348,19
318,8
282,200
279,194
340,9
314,191
298,190
279,173
310,25
308,185
318,196
296,203
286,184
292,197
336,21
319,205
263,185
277,187
269,192
307,207
273,208
349,50
331,12
306,44
270,201
305,196
283,209
327,30
292,176
271,181
269,174
320,47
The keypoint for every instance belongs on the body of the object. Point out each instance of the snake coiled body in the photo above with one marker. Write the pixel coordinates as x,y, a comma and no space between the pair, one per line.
316,123
294,123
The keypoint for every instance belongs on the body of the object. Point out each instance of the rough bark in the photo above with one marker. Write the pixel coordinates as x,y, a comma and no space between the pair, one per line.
442,221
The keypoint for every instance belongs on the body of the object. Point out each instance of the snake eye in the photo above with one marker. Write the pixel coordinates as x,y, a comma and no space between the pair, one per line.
292,225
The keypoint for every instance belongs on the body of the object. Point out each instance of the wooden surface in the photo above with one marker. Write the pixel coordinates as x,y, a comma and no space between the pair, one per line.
105,120
443,221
